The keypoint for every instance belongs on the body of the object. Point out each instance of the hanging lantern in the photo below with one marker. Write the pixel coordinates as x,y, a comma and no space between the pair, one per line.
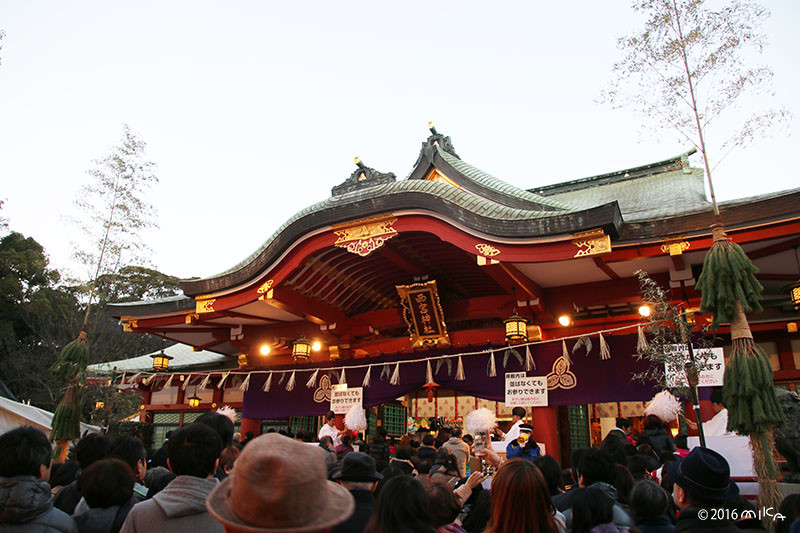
516,328
794,294
161,361
99,405
242,360
301,349
194,401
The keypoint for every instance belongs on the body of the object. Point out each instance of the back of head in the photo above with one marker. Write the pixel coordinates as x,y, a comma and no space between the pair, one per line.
221,424
427,440
153,473
422,466
128,449
63,473
106,483
623,482
597,465
520,499
478,516
623,423
91,448
22,451
519,411
455,432
193,450
576,456
444,507
590,507
648,500
638,466
653,422
228,457
551,471
790,508
402,505
716,396
346,440
681,441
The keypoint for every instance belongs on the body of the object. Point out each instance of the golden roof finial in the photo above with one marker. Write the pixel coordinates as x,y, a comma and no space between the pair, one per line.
356,160
430,125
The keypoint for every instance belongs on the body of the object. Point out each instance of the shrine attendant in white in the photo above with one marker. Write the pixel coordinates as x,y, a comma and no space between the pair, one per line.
328,429
517,414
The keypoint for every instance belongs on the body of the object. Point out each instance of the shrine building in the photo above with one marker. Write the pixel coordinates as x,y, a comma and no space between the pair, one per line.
425,291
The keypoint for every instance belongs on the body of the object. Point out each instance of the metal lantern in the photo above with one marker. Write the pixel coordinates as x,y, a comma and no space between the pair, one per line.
516,328
99,405
301,349
194,401
161,361
242,360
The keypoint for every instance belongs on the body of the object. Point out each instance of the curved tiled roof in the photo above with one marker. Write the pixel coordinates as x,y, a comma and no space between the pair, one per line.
488,181
468,209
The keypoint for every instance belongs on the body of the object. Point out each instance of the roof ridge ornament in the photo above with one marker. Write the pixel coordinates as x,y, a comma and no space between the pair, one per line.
362,178
435,140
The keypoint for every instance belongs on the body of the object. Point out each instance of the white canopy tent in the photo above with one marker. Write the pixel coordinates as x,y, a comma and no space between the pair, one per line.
14,414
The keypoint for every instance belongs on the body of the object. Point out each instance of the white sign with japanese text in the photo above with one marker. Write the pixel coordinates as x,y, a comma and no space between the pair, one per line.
711,372
342,400
524,391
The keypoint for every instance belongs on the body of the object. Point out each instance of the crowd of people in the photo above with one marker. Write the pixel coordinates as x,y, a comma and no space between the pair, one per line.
203,479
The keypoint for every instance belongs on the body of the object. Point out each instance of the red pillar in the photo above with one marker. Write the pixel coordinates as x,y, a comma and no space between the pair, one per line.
339,422
545,428
250,424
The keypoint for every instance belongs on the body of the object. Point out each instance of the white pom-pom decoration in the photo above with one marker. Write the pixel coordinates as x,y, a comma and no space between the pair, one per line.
480,421
664,405
230,412
355,419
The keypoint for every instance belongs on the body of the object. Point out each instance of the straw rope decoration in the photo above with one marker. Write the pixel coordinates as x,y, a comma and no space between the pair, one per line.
204,382
343,377
290,384
386,370
641,342
460,370
565,352
605,352
312,381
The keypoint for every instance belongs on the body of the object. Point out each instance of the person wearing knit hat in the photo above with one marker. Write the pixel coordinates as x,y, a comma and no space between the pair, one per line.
279,485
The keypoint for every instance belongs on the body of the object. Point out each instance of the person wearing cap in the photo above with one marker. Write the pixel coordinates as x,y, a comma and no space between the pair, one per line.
702,486
193,456
517,414
525,446
358,475
329,429
279,485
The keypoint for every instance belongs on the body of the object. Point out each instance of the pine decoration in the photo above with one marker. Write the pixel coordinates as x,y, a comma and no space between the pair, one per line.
72,361
729,289
67,418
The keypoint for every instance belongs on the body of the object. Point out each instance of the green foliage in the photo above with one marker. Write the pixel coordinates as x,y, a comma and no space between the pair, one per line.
67,418
136,283
749,391
141,430
728,276
71,363
665,328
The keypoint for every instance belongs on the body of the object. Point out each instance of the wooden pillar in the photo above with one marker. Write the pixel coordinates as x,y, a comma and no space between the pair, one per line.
545,428
250,424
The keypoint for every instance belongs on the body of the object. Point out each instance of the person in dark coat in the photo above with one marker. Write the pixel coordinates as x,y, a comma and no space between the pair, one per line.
91,448
358,475
702,485
379,449
649,505
25,503
655,431
107,491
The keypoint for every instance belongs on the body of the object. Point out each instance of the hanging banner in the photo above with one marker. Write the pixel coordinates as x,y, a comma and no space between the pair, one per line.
423,314
589,380
524,391
711,373
343,399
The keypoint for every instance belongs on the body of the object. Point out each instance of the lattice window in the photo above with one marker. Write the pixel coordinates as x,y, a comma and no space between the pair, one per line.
394,419
372,422
188,418
276,424
578,427
303,423
162,424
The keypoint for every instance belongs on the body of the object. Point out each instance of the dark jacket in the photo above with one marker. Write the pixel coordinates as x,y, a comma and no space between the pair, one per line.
659,440
620,516
689,521
379,450
358,520
99,520
655,524
529,452
25,506
69,496
563,501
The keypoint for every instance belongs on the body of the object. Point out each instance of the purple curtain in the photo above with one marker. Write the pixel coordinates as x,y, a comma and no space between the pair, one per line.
595,380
